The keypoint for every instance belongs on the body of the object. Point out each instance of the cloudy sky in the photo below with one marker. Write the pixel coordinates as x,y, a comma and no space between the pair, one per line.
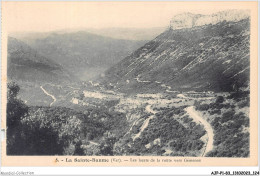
50,16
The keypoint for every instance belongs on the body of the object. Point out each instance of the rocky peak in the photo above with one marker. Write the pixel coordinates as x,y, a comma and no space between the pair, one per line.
189,20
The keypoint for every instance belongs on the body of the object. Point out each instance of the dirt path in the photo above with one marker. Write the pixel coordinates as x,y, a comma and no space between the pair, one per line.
146,122
54,99
196,116
140,81
131,127
192,98
94,143
149,109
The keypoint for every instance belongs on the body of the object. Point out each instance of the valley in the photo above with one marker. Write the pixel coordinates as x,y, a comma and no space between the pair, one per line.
143,112
184,93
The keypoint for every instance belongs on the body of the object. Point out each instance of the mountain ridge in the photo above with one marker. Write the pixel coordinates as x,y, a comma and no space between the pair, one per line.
26,64
209,57
84,54
189,20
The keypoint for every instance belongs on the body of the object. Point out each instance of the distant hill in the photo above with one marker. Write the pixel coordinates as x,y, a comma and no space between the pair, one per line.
207,57
129,33
138,34
84,54
26,64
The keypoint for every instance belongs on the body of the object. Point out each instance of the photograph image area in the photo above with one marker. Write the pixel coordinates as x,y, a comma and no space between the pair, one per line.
123,79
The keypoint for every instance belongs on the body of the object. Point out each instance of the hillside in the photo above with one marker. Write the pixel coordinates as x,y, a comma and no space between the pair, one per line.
208,57
84,54
26,64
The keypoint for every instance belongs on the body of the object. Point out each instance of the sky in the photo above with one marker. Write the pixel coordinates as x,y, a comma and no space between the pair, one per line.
53,16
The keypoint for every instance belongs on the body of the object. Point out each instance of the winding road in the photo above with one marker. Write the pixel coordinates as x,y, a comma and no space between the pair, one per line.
190,110
146,122
54,99
192,98
138,80
196,116
149,109
94,143
131,127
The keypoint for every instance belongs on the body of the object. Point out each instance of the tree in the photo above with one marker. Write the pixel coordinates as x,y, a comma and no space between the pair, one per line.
81,96
220,99
16,110
236,87
107,144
